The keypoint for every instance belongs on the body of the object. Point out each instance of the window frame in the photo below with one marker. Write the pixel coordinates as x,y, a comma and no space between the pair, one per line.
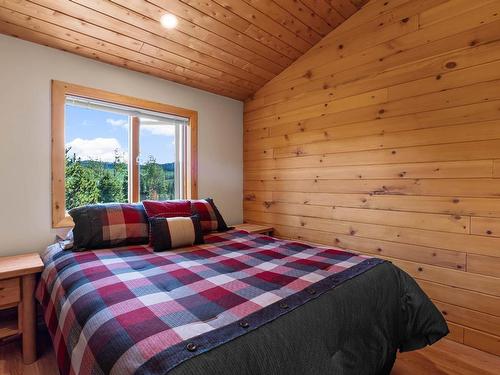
59,91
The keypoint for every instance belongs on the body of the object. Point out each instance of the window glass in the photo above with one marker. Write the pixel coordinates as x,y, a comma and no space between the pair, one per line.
96,156
157,159
121,154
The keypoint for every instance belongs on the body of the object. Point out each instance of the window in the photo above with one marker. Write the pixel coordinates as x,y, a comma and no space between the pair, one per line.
112,148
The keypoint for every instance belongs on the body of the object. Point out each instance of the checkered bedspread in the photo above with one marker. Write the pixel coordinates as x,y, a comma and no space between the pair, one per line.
129,310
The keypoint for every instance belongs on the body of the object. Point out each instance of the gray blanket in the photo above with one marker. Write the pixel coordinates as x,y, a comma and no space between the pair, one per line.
355,328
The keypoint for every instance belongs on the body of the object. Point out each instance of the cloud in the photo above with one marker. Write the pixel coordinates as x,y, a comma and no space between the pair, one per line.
117,122
165,130
102,149
151,126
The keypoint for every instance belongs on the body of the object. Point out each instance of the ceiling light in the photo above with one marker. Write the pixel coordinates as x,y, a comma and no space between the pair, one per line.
168,21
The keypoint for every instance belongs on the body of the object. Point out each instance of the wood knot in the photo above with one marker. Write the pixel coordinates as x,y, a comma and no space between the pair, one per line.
438,77
393,152
451,65
405,20
489,232
341,46
456,200
382,111
308,74
420,269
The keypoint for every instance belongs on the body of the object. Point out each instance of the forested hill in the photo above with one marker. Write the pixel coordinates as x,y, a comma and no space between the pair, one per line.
167,167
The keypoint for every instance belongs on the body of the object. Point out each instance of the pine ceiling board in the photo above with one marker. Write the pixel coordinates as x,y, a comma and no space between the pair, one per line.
199,41
264,22
253,51
324,10
359,3
286,19
228,47
180,43
306,15
344,7
186,58
243,25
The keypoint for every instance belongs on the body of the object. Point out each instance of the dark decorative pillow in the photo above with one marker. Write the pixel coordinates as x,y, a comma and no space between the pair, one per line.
109,225
171,232
210,217
174,208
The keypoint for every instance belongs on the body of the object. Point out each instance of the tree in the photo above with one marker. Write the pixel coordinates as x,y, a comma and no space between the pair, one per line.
113,182
93,181
82,186
154,184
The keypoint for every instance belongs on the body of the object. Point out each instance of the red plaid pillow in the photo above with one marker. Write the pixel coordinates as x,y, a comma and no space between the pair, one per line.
109,225
177,208
210,217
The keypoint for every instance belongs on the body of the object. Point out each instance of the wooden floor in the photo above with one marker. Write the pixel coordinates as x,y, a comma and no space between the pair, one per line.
444,358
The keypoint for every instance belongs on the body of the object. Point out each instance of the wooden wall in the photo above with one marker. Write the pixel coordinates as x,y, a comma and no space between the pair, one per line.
385,139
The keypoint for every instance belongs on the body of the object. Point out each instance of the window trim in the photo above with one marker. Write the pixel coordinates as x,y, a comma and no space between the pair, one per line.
60,219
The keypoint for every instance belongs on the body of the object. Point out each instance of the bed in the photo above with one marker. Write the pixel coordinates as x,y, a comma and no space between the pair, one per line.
239,304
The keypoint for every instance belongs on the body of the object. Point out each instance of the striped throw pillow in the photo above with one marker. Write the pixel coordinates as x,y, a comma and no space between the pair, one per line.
172,232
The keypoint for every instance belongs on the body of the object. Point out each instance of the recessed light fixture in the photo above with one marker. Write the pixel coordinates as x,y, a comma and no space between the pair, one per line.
168,21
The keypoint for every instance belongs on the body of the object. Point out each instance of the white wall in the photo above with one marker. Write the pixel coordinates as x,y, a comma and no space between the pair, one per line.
26,70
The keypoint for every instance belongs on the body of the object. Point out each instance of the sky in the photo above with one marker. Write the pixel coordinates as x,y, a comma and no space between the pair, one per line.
97,134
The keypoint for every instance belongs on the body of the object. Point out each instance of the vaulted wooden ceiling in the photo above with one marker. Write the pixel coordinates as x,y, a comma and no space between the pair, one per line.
228,47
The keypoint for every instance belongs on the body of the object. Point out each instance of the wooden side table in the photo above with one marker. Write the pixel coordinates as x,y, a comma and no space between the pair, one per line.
256,228
17,288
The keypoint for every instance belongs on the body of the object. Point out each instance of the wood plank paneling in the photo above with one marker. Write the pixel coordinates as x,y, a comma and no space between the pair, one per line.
384,138
229,47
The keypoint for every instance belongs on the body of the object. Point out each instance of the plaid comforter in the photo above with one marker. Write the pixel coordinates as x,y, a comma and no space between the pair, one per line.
129,310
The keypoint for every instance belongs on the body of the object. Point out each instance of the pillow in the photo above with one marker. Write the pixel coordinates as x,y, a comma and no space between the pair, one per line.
174,208
67,241
210,217
108,225
170,232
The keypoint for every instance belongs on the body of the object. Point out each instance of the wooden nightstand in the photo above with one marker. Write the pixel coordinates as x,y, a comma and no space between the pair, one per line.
255,228
17,287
